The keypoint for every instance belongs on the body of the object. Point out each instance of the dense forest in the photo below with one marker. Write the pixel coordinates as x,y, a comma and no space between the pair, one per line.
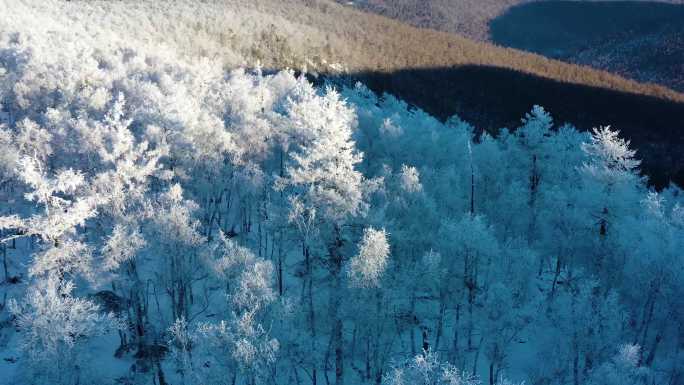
169,218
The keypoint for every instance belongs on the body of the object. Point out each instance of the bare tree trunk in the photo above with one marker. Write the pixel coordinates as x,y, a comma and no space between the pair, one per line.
280,264
654,347
471,324
4,261
455,340
534,184
491,373
312,318
335,300
426,343
160,372
648,318
477,356
556,275
411,328
440,320
575,362
378,336
138,307
339,354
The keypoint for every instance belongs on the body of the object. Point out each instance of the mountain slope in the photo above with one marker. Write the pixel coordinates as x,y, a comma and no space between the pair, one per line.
635,39
314,33
639,40
469,18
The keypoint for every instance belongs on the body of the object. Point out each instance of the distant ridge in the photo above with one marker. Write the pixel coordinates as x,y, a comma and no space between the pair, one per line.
641,40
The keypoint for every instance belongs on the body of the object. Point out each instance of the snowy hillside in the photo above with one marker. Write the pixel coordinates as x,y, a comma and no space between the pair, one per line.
170,213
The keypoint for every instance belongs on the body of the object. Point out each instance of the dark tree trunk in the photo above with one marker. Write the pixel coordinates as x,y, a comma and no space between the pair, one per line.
4,262
456,328
426,343
312,314
335,299
652,351
440,320
491,373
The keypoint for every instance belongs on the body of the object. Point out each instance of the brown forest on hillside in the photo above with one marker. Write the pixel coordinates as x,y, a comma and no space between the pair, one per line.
469,18
367,42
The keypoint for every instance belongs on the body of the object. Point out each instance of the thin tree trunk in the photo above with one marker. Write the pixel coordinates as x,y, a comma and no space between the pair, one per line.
4,262
426,343
312,319
471,324
412,327
491,373
556,275
440,321
654,347
647,320
280,264
335,300
575,362
456,328
160,372
477,356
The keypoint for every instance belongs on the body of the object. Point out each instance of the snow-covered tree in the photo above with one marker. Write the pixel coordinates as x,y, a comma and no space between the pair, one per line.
325,184
611,161
623,368
238,345
426,369
322,169
612,190
55,328
65,205
366,268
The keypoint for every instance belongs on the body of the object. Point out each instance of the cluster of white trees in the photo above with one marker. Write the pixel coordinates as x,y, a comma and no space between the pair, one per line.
232,227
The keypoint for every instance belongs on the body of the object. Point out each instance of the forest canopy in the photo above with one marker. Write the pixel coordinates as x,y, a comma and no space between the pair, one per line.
164,220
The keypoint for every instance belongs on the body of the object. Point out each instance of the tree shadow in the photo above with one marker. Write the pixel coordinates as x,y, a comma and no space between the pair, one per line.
492,98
